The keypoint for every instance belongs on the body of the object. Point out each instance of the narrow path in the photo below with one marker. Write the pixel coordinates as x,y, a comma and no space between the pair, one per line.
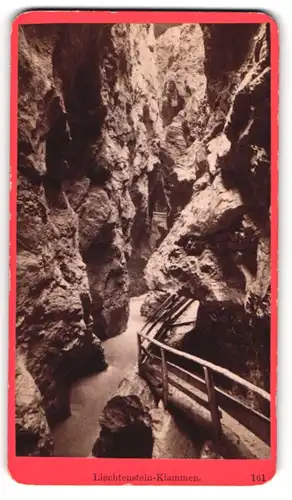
75,436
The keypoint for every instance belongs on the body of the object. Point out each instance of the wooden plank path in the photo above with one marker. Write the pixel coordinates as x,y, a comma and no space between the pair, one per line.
170,378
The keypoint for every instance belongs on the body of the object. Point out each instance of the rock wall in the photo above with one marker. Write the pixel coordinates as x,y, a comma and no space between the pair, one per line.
115,124
32,431
144,150
54,322
88,128
183,85
218,247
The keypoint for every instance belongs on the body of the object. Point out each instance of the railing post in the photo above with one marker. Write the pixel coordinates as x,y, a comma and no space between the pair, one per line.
139,352
213,404
164,377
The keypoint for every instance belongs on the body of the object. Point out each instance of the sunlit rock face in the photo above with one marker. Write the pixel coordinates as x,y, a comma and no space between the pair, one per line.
180,61
144,152
219,242
88,138
218,247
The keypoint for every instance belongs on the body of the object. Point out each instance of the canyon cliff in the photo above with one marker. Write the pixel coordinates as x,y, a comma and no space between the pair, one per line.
217,249
116,125
88,134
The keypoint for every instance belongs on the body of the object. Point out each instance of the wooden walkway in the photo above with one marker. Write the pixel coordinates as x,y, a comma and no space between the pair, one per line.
194,390
159,215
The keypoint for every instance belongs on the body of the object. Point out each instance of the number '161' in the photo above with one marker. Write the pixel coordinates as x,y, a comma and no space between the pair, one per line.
258,478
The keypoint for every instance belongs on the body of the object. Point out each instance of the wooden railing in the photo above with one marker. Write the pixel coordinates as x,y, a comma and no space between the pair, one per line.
167,315
160,214
190,383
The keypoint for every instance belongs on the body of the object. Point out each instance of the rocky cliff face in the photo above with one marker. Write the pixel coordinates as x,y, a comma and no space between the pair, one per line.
88,127
115,124
180,62
33,434
218,247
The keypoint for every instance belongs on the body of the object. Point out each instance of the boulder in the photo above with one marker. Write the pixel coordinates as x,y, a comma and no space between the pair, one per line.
168,436
126,430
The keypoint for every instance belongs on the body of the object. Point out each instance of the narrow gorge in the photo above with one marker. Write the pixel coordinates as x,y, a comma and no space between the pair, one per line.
143,172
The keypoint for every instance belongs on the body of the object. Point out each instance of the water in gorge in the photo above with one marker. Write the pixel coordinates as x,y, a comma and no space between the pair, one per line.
75,436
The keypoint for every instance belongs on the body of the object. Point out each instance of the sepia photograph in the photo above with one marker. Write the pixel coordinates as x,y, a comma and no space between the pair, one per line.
143,280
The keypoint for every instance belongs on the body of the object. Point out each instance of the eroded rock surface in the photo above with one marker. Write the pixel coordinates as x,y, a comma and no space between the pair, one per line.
218,246
171,439
32,431
209,451
126,430
88,136
180,61
218,240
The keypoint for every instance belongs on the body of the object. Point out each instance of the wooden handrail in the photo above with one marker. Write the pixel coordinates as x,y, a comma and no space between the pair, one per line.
217,369
164,377
215,414
195,388
167,315
157,313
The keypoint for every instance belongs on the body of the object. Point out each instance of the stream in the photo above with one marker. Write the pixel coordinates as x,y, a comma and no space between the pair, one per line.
76,436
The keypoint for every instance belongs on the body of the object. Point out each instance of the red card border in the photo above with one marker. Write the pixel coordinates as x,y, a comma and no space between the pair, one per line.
80,471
